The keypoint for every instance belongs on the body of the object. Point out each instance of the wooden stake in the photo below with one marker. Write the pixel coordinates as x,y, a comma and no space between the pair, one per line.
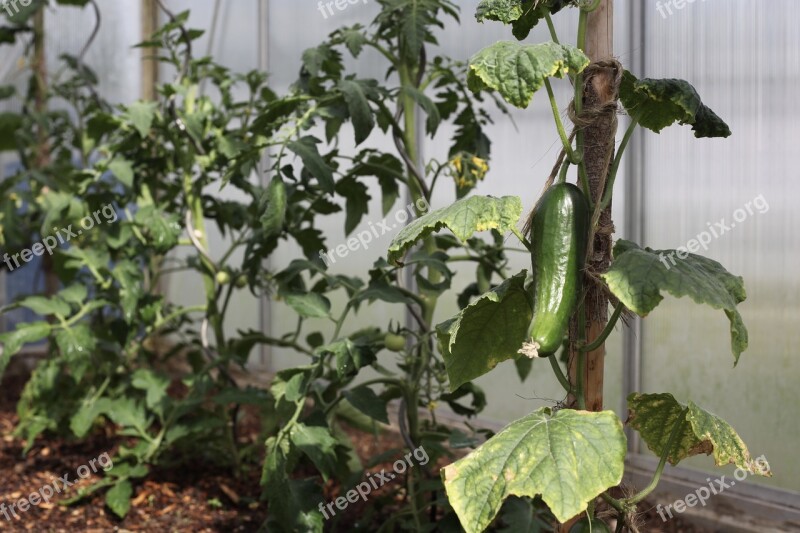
149,62
598,148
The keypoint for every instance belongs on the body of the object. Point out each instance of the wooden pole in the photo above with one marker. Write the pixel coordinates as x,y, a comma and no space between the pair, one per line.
149,62
600,92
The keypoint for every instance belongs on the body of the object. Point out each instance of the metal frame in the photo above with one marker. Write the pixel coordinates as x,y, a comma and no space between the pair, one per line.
634,225
265,309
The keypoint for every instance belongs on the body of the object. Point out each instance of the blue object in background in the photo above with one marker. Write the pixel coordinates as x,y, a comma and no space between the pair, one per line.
23,281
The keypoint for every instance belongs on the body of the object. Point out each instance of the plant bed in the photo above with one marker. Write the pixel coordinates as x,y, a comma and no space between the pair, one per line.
197,499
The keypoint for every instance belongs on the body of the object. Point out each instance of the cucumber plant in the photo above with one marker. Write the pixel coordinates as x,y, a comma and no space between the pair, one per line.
571,457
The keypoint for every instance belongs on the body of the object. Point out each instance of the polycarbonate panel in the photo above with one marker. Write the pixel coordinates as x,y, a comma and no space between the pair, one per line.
744,59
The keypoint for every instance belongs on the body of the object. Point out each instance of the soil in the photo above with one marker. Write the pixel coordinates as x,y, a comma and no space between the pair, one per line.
199,499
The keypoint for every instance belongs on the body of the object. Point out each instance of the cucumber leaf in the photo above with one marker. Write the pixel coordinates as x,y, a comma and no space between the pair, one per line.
523,15
517,70
637,277
661,103
464,218
569,458
488,331
655,415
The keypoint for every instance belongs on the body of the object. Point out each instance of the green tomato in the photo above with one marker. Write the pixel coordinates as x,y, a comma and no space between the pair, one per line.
223,278
241,282
395,343
584,526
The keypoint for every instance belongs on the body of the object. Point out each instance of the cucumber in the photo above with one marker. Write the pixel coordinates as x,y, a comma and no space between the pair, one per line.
559,234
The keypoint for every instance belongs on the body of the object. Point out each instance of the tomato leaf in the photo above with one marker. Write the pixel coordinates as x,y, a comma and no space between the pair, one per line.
355,95
118,498
638,276
488,331
306,148
567,458
517,70
660,103
655,415
13,341
309,305
365,400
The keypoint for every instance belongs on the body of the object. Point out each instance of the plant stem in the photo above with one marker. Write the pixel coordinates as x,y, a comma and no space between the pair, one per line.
663,461
422,362
559,124
612,174
525,242
606,331
580,372
560,374
562,174
551,27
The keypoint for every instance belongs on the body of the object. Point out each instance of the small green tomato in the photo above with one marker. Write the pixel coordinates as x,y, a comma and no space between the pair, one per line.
223,278
395,343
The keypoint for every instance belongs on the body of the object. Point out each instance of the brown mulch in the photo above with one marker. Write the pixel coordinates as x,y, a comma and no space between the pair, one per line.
197,499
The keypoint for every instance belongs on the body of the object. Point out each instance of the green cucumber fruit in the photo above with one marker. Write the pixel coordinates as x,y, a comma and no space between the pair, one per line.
559,234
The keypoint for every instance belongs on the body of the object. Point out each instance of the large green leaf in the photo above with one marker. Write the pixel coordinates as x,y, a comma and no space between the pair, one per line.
523,15
638,276
517,70
464,218
655,415
569,458
488,331
660,103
